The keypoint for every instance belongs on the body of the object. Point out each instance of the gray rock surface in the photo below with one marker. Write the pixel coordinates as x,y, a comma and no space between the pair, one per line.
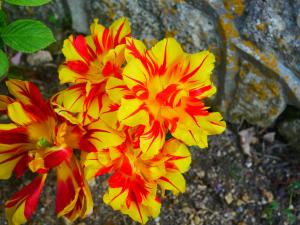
290,130
256,42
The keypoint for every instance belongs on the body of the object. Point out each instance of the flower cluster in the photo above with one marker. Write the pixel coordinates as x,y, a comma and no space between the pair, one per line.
121,102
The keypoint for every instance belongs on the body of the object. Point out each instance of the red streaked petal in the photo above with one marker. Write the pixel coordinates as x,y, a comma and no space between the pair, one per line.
100,136
20,208
54,158
4,101
73,197
78,66
119,30
81,46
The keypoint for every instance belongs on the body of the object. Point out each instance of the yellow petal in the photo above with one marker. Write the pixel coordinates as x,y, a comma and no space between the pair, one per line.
66,75
200,67
134,49
21,206
179,154
173,181
132,113
212,123
116,89
100,136
152,140
167,52
77,199
115,197
135,73
120,29
18,114
69,50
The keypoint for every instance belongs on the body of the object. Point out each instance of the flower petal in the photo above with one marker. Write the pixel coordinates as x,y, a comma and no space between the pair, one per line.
135,49
73,198
96,163
66,75
189,132
166,53
4,102
173,181
120,29
132,196
99,136
20,208
109,112
116,89
70,51
212,123
71,99
152,140
133,112
18,114
24,91
10,156
199,67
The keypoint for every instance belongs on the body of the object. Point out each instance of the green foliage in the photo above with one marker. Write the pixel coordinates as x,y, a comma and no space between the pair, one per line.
294,186
4,64
290,216
28,2
2,18
22,35
270,210
27,35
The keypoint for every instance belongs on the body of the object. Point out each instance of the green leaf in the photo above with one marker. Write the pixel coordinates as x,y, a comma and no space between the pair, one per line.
290,216
4,64
28,2
27,35
294,186
2,18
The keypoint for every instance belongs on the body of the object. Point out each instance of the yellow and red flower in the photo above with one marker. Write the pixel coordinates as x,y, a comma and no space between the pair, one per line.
39,140
122,101
167,89
135,179
89,62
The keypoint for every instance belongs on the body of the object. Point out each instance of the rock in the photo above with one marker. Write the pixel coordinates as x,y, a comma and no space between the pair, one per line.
258,99
298,18
229,198
197,220
246,137
268,195
269,137
201,174
79,15
290,130
187,210
39,58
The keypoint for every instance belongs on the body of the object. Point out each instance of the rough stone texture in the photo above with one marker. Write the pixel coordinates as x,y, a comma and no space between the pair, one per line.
290,130
79,15
264,93
256,42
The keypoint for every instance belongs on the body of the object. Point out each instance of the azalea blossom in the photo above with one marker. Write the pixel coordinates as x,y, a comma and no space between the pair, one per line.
134,181
90,60
38,140
166,91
